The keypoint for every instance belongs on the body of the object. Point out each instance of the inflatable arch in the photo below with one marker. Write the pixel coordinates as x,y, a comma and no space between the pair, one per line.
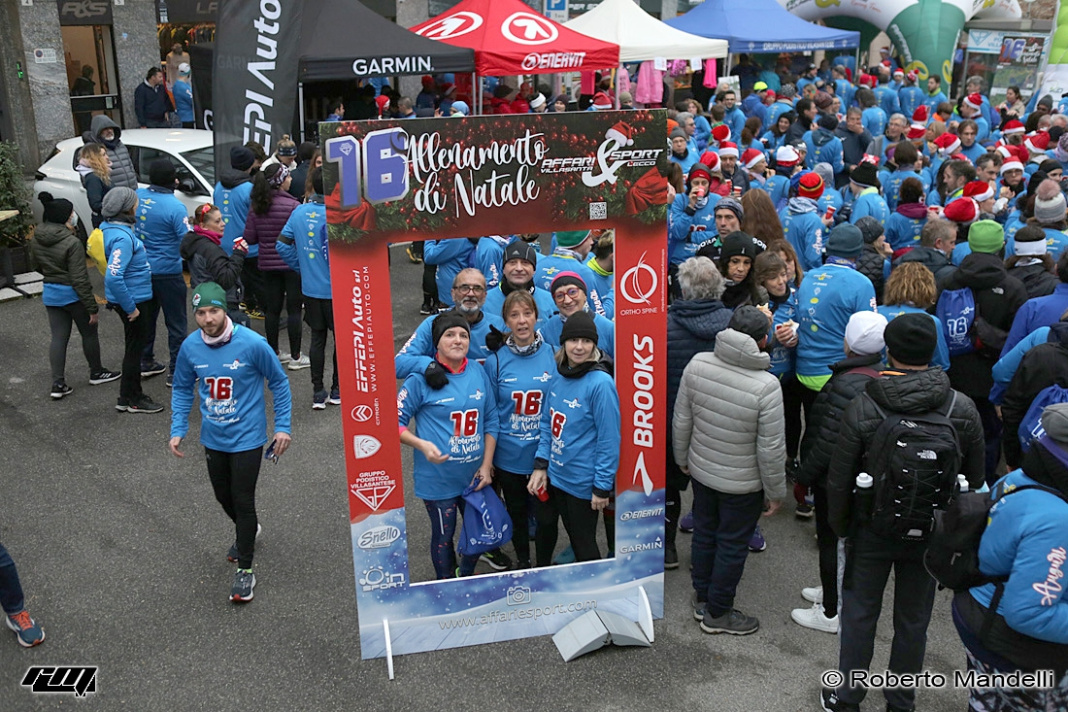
924,32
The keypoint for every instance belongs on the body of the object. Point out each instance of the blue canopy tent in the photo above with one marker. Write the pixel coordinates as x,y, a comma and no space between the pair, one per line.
760,27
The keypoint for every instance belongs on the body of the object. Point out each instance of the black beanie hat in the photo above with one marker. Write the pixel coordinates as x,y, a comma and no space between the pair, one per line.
446,321
828,122
864,174
579,326
520,250
55,210
161,172
241,158
750,321
739,243
911,339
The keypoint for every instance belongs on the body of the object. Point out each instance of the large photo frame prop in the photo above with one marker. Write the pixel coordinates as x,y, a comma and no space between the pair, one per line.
395,181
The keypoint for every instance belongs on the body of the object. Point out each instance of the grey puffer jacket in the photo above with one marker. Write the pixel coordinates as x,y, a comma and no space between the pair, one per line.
728,423
122,167
60,257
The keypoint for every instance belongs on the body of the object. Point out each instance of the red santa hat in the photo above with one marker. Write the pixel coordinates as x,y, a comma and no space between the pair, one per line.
978,190
710,159
959,157
915,132
947,143
601,101
921,115
1011,164
962,210
974,101
721,133
728,149
751,157
1006,151
1015,126
786,157
914,77
899,73
621,132
1037,142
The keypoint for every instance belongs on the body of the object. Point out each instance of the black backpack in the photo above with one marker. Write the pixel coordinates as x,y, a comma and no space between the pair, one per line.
952,556
914,460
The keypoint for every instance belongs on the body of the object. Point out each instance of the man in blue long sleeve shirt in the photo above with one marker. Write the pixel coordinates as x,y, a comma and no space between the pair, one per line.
225,365
302,245
161,225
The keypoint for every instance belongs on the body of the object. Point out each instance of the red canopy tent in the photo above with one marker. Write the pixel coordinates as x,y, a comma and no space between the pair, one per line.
510,39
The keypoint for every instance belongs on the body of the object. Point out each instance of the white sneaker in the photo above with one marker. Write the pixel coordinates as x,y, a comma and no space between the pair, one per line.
284,358
814,594
300,362
815,619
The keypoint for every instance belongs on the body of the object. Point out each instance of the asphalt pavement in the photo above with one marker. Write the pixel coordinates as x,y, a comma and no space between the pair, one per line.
121,549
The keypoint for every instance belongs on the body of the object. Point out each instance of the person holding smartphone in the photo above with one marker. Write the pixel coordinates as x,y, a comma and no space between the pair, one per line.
225,364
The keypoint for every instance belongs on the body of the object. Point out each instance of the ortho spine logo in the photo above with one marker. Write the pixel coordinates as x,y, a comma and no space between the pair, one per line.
75,680
526,28
455,25
639,282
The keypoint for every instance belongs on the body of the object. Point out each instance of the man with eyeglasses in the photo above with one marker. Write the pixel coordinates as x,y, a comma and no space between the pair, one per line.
569,293
468,294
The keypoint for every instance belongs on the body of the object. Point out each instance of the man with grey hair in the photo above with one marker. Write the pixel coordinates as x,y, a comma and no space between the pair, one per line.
692,325
895,131
686,123
936,246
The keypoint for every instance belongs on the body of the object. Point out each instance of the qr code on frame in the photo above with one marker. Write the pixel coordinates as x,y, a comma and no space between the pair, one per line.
598,211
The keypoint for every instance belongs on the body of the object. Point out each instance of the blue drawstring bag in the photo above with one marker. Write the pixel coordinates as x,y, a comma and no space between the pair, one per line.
1031,425
487,525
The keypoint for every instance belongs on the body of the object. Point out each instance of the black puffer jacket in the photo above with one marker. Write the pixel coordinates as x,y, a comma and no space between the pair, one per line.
849,377
998,296
870,264
931,258
209,263
692,326
60,258
1037,280
909,392
1042,366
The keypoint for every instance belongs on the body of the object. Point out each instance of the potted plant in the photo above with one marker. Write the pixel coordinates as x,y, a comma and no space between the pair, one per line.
14,195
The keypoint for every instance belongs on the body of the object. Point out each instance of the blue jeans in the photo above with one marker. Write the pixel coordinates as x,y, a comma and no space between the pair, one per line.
11,599
443,519
168,291
722,525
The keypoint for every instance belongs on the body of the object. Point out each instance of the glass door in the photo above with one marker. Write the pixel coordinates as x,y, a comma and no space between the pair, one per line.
89,54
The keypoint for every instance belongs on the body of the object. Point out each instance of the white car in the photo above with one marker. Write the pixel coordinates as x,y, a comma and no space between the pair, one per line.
192,152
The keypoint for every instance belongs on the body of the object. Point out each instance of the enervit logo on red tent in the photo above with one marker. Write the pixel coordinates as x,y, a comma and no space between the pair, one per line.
526,28
455,25
639,282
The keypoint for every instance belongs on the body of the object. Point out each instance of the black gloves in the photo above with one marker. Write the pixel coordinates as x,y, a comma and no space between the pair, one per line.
435,376
494,339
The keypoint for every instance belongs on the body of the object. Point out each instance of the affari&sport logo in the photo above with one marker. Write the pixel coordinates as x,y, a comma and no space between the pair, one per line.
379,537
376,578
611,156
647,546
641,514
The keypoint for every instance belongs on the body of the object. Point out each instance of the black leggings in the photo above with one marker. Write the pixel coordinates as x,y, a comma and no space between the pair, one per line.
580,521
60,320
136,338
518,502
430,282
233,476
827,543
283,287
791,404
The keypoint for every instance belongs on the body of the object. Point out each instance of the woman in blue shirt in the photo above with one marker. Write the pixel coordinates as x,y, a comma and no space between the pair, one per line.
457,415
578,450
519,373
911,290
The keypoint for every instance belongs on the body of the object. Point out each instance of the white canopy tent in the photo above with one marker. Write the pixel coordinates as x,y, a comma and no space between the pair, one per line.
642,37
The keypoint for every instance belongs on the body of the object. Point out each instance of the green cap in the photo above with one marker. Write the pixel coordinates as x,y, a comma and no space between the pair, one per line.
986,236
208,294
570,238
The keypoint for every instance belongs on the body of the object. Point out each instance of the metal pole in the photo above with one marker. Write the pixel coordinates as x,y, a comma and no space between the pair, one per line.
300,101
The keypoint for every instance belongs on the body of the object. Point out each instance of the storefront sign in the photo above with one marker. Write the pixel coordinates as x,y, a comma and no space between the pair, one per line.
84,12
391,181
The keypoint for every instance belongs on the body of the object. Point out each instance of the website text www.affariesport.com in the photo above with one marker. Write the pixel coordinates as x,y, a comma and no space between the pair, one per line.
534,612
960,679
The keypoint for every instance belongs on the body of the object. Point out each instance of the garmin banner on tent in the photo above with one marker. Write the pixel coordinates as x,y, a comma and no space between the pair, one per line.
255,69
392,181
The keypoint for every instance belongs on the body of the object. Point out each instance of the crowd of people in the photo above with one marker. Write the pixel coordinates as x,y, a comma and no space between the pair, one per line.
869,299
